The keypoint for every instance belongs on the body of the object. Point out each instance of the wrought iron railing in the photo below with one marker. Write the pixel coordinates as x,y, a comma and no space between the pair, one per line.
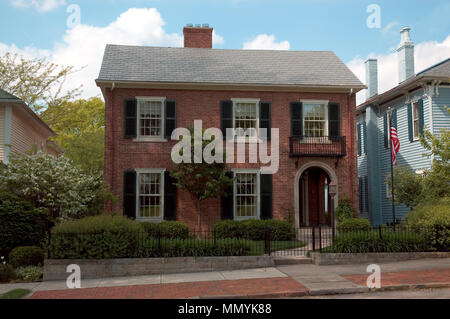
317,146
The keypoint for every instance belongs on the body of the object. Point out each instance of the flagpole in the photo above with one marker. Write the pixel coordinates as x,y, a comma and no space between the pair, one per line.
392,169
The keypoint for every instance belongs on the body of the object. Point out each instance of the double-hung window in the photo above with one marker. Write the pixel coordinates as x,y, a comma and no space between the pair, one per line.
150,197
150,122
415,120
315,118
246,117
246,195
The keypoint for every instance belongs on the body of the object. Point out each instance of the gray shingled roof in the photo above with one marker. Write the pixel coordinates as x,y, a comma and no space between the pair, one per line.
193,65
439,69
7,96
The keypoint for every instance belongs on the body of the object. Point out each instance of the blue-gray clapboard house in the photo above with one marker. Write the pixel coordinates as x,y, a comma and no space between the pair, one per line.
417,103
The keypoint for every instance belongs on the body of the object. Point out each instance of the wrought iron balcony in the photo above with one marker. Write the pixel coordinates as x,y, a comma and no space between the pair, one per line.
328,146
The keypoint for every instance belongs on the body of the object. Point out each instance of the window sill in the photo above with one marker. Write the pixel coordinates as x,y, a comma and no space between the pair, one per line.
147,219
246,218
150,140
245,141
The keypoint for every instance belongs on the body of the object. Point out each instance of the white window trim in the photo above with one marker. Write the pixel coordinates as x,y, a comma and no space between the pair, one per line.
325,102
388,191
139,137
247,139
161,191
258,192
415,138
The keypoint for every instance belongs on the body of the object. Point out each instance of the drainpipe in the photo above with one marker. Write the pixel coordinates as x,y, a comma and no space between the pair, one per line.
350,128
111,137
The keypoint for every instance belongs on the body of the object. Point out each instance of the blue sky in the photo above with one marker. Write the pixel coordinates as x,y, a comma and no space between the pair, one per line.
38,27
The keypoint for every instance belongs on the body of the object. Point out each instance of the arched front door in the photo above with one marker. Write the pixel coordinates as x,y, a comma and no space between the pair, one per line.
314,199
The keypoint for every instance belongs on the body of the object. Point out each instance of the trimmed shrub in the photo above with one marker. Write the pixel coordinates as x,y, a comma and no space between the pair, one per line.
433,221
345,210
96,237
30,273
166,229
21,224
353,224
26,256
372,242
6,273
253,229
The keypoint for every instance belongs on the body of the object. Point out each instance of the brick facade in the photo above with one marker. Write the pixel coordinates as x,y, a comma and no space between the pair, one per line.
124,154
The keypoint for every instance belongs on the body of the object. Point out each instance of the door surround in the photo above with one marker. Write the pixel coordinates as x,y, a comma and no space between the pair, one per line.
331,174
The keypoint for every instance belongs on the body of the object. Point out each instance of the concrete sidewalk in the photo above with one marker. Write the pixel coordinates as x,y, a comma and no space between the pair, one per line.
282,281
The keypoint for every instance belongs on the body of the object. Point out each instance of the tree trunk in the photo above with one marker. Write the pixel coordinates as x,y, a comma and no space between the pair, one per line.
198,218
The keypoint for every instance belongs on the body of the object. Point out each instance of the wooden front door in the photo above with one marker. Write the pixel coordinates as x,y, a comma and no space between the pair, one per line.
315,201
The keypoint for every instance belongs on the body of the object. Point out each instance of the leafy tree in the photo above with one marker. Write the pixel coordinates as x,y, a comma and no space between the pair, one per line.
408,186
37,82
202,180
80,126
54,183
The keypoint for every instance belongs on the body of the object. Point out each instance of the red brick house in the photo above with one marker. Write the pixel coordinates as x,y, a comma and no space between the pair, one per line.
308,95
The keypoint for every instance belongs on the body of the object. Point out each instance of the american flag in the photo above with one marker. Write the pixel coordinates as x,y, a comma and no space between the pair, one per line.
395,143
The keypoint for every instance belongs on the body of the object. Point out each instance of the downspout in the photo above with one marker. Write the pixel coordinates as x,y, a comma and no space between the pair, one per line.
111,137
350,128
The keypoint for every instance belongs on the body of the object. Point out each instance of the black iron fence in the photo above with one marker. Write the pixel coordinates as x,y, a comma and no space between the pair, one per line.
99,245
317,146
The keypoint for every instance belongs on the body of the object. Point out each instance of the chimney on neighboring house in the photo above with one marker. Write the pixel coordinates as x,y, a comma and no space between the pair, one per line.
405,56
199,36
371,78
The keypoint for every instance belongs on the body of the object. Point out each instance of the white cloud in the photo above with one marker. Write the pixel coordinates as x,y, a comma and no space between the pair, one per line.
217,39
84,45
266,42
389,27
40,5
426,54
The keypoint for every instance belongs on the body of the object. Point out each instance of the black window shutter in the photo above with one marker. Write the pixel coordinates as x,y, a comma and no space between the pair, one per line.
410,123
385,131
226,116
421,119
266,196
170,197
366,195
129,194
296,119
358,127
361,195
171,118
264,118
365,137
394,118
227,201
130,111
334,125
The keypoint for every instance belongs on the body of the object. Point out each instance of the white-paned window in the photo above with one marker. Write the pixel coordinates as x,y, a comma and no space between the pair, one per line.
415,120
246,117
246,195
150,186
315,118
150,117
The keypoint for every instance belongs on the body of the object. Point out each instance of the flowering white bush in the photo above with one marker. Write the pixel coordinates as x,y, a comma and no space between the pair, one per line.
51,182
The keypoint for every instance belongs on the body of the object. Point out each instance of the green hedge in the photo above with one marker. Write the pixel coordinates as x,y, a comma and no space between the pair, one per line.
345,210
432,220
353,224
26,256
96,237
254,229
6,273
372,242
167,229
21,224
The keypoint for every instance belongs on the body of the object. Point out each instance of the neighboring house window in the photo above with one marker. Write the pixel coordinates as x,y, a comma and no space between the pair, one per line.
246,195
150,117
315,119
246,117
150,187
388,191
415,119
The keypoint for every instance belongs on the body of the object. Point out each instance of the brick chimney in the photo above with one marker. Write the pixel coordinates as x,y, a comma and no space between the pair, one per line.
199,36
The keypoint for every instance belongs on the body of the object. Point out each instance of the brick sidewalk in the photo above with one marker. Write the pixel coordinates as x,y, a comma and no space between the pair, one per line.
414,277
247,287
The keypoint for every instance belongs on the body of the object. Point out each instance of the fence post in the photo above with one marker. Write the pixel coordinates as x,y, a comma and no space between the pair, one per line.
320,238
379,231
214,238
267,242
436,234
49,242
159,241
313,239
